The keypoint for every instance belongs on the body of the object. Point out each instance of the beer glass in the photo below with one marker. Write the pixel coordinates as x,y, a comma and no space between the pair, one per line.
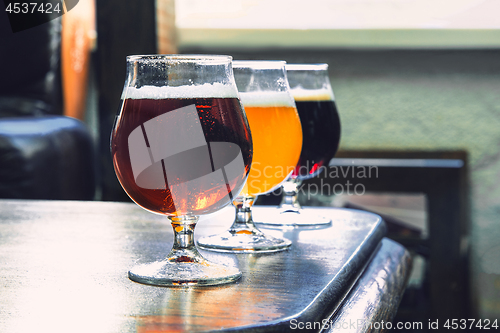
311,89
181,147
277,142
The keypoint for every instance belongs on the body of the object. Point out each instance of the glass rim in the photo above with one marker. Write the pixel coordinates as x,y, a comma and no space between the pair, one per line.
209,58
307,67
259,64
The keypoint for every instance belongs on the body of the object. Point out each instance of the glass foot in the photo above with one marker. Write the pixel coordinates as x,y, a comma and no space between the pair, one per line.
184,265
244,241
183,274
243,236
296,218
290,213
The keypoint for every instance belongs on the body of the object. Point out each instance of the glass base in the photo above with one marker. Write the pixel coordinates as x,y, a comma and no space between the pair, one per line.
183,274
184,265
244,241
290,213
296,218
243,236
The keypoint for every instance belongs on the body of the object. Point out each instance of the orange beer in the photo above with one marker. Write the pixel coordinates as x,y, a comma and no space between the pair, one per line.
277,139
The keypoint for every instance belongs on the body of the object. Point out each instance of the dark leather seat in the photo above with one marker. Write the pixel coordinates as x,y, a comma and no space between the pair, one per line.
47,157
43,154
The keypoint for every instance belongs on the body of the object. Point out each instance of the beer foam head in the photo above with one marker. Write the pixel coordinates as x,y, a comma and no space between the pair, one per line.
323,94
266,98
207,90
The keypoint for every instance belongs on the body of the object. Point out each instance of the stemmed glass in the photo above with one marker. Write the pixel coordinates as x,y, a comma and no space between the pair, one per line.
311,89
277,141
181,147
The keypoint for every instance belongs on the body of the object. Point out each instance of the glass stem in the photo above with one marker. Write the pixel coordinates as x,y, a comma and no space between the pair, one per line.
290,202
243,221
184,248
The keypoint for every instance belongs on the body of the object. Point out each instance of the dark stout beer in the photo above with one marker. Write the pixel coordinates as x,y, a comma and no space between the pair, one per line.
321,135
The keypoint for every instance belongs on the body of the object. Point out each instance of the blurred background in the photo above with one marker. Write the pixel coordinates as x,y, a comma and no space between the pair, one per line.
411,78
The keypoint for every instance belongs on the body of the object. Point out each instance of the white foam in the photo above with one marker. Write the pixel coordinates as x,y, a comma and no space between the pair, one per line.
266,98
215,90
322,94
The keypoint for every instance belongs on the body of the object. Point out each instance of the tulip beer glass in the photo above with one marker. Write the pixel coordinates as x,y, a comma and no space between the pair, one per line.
181,147
313,95
277,141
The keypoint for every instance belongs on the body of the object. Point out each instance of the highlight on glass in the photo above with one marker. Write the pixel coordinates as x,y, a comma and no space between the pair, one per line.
181,147
277,142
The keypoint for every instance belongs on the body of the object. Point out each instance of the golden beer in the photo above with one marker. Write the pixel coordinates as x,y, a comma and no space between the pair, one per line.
277,140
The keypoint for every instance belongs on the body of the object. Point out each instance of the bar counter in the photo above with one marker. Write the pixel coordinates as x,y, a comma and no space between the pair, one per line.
64,266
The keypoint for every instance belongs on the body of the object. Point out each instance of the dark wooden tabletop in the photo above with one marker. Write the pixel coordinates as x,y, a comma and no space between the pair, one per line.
64,264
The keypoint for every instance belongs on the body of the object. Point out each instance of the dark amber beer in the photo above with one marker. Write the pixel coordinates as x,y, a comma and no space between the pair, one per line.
223,138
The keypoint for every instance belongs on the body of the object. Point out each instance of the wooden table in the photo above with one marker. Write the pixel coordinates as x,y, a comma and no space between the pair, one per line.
64,264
